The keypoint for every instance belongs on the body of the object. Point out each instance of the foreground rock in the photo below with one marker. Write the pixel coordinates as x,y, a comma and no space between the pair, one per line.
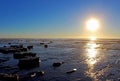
9,77
23,55
30,47
45,46
23,49
28,62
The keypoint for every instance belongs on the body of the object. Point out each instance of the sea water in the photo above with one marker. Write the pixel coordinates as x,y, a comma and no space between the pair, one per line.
95,60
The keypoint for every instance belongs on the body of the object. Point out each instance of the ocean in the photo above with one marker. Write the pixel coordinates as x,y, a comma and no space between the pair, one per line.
94,60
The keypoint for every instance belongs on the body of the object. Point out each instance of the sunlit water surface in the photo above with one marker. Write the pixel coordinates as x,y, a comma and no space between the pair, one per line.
95,60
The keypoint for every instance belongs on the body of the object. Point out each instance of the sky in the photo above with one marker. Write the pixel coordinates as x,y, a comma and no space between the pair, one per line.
58,18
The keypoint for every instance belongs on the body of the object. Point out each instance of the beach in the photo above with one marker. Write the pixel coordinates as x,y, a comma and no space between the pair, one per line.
92,60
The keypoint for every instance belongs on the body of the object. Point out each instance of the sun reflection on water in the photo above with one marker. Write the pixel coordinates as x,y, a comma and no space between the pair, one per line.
91,52
92,59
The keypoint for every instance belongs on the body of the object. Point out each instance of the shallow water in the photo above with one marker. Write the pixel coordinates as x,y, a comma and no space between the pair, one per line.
97,60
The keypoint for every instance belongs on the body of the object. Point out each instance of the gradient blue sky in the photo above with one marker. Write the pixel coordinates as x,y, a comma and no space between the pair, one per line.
58,18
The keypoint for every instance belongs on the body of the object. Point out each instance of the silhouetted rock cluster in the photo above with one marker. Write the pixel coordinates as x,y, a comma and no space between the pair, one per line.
30,47
13,49
26,59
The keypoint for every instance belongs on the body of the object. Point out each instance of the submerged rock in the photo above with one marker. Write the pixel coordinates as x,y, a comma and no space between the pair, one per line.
30,47
23,49
42,43
17,46
4,46
57,64
9,43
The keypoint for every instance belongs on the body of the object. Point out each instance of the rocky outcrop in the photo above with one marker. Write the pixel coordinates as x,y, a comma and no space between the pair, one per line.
28,62
19,55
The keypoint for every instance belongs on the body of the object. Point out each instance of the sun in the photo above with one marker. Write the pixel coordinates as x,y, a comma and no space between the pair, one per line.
92,24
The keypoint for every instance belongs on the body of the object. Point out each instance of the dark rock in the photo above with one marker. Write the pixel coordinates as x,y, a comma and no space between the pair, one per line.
51,42
4,46
29,62
42,43
6,50
29,54
23,55
23,49
13,50
9,43
18,55
30,47
9,77
57,64
45,46
17,46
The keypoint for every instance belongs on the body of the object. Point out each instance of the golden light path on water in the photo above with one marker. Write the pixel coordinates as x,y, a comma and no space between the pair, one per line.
92,59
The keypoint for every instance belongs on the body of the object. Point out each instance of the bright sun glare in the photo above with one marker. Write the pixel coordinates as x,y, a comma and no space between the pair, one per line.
92,24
